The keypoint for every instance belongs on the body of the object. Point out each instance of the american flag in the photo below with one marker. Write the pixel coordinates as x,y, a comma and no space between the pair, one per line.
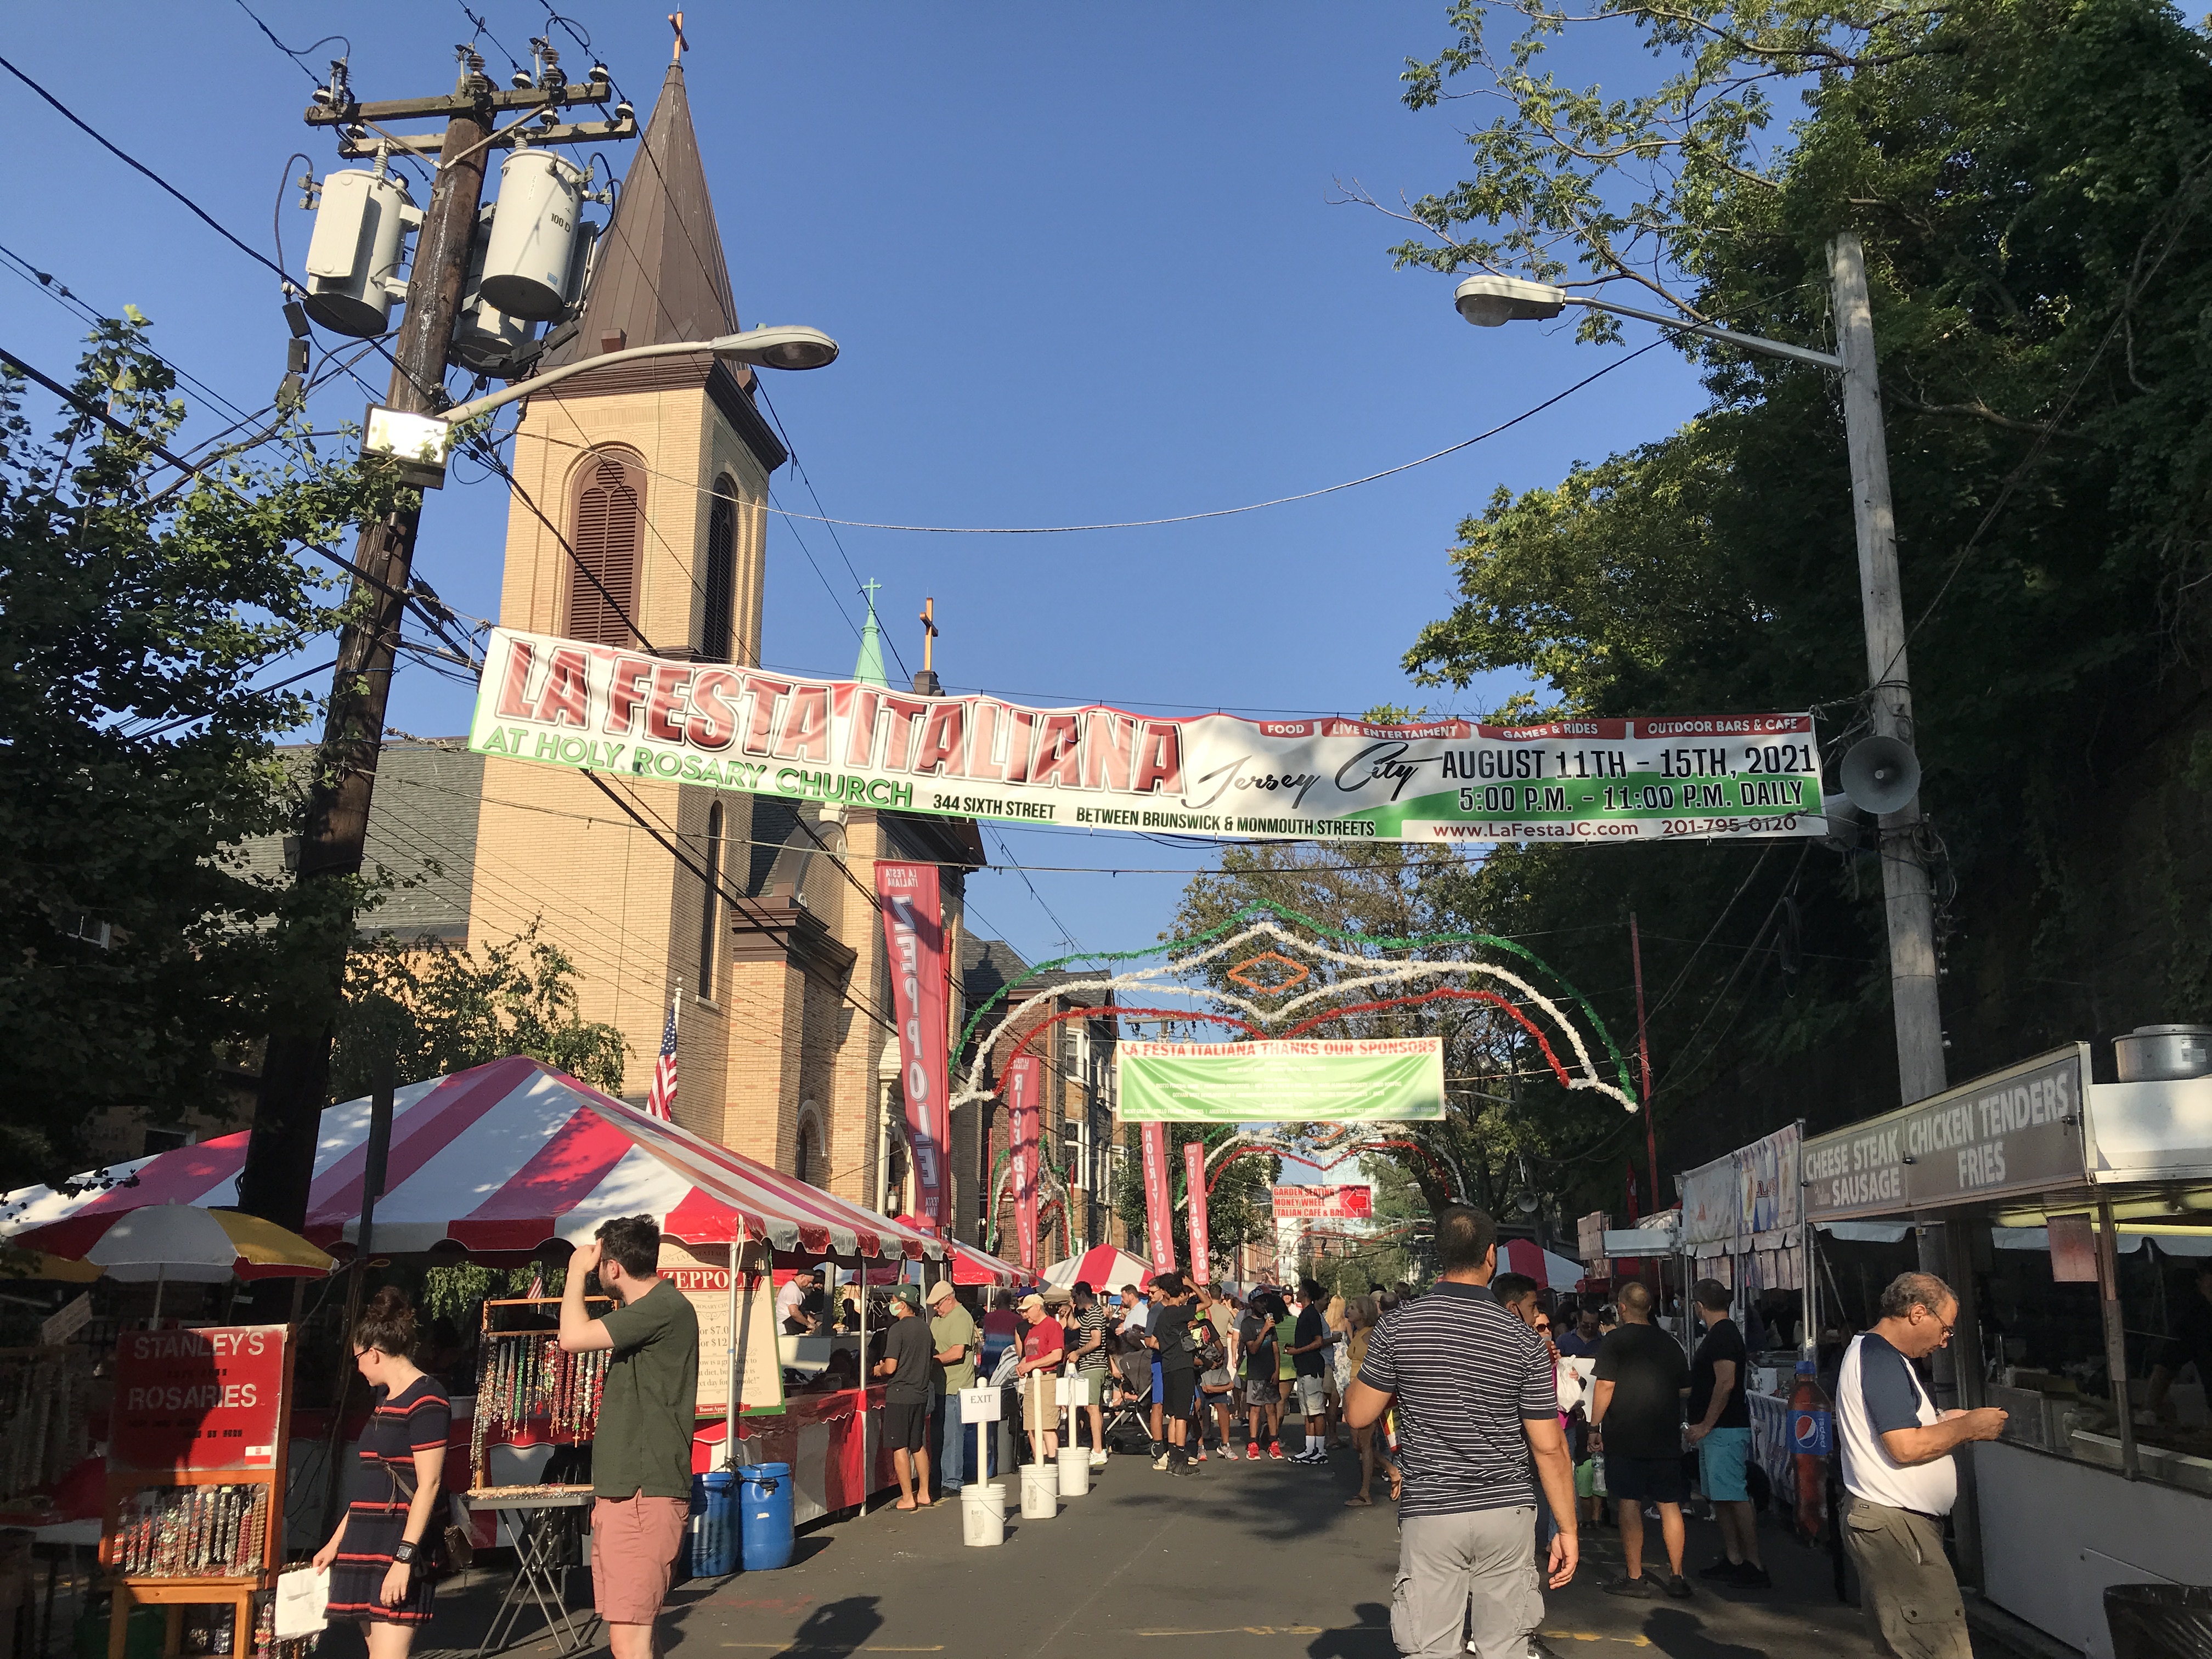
661,1102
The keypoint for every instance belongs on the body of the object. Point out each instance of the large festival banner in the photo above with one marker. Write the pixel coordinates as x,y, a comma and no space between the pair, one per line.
1193,1166
1597,781
914,934
1322,1203
1387,1080
1022,1099
1159,1207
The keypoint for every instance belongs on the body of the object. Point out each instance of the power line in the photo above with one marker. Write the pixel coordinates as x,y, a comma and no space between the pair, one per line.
138,166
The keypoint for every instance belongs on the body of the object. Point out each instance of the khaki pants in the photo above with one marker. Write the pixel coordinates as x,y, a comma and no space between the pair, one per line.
1466,1582
1905,1583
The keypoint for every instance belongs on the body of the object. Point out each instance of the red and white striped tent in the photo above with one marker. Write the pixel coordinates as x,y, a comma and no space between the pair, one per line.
1102,1267
498,1159
973,1267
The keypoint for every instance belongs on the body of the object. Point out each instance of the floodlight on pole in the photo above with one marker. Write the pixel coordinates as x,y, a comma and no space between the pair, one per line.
418,442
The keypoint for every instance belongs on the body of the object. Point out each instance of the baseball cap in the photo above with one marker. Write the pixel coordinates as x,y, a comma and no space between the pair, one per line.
1032,1300
906,1293
940,1290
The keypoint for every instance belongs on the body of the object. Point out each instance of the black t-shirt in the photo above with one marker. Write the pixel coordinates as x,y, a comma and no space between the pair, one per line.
1647,1371
1256,1338
1721,1342
1169,1325
908,1342
1311,1328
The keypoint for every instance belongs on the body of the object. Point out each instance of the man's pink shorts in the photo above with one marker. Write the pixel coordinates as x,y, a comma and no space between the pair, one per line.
634,1546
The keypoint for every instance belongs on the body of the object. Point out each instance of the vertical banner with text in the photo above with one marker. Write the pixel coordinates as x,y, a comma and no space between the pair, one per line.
914,934
1159,1208
1193,1164
1022,1084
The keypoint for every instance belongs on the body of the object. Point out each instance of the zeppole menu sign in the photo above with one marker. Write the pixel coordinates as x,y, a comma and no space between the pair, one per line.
596,707
2015,1131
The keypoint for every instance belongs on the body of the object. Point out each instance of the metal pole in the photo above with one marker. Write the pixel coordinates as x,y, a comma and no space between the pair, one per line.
1652,1203
1908,898
2115,1339
860,1413
280,1157
730,1398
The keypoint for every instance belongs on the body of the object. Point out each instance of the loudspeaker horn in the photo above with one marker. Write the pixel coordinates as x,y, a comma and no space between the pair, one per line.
1880,774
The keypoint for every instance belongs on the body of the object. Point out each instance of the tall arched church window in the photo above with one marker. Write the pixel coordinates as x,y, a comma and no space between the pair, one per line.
719,580
709,902
608,528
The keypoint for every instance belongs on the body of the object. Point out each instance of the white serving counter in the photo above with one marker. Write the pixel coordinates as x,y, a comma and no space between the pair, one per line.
2057,1530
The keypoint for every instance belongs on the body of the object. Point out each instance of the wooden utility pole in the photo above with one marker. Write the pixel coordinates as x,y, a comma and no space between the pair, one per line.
1652,1203
280,1158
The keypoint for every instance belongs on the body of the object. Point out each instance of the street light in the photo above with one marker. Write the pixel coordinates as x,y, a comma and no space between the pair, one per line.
1490,301
418,442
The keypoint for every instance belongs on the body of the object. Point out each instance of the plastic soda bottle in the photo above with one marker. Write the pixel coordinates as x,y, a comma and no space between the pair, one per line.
1812,1437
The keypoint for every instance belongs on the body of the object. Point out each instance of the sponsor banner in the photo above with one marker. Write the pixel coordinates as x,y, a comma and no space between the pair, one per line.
1022,1090
914,934
1193,1166
1159,1207
1391,1080
1696,777
210,1399
2015,1131
1324,1203
1767,1183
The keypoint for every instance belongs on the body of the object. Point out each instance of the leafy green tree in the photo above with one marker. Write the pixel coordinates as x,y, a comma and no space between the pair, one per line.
140,609
439,1008
2028,178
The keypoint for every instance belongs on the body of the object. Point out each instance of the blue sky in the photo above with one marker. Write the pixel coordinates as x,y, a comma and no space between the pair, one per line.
1083,266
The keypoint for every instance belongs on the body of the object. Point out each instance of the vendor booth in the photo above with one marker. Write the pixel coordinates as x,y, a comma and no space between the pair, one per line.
495,1164
2089,1487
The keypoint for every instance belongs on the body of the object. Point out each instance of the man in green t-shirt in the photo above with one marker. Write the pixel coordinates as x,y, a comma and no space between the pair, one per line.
952,1337
642,1454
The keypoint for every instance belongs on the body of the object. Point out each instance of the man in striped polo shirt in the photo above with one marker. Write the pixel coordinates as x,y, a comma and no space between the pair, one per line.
1477,1427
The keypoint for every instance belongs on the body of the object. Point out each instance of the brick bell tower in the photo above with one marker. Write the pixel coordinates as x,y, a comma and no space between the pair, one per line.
638,519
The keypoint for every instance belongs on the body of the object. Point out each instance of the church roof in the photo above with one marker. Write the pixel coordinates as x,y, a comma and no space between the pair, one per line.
660,276
869,668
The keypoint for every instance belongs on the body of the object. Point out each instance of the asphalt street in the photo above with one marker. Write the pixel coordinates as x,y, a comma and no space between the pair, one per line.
1239,1561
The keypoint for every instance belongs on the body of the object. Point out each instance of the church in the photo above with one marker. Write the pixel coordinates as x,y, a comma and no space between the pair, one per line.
638,519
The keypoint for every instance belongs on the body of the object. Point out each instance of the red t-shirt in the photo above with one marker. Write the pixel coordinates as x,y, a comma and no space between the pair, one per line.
1043,1339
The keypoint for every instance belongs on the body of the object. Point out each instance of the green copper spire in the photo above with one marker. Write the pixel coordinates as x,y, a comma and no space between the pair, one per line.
869,670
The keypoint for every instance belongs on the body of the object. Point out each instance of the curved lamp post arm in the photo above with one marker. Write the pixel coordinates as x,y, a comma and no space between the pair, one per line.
1796,354
1489,301
782,347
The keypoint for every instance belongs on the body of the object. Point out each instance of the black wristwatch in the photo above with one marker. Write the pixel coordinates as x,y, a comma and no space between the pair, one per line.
406,1552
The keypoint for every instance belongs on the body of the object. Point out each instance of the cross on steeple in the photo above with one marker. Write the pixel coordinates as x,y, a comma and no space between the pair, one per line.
676,22
872,587
928,634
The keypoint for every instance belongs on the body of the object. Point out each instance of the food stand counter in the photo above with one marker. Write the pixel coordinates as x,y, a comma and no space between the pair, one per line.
2085,1490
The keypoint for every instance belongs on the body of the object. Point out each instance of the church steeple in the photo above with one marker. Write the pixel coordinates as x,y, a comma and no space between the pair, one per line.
660,276
869,670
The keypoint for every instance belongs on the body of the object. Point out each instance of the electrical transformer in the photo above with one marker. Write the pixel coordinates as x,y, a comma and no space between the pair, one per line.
529,263
486,338
353,259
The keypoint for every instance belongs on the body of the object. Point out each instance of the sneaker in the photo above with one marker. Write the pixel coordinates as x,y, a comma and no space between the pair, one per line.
1720,1570
1097,1460
1178,1468
1252,1452
1636,1589
1275,1449
1198,1456
1679,1588
1748,1577
1311,1458
1161,1461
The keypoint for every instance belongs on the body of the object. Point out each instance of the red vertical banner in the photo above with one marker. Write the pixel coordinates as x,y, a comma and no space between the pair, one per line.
914,934
1159,1207
1021,1094
1193,1164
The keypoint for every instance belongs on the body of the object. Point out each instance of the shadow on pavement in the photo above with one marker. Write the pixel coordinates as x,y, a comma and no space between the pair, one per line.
1682,1636
1364,1640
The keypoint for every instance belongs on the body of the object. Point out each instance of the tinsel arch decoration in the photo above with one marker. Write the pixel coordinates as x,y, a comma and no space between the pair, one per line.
1267,933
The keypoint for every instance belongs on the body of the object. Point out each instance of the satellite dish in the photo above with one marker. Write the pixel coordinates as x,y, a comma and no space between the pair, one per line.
1880,774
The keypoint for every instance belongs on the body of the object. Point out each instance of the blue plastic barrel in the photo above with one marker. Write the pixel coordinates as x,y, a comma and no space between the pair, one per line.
710,1541
764,1515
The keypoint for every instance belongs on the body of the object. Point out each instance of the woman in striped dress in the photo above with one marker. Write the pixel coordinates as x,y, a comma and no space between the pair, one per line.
377,1556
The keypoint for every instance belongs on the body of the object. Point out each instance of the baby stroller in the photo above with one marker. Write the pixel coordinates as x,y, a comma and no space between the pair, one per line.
1128,1403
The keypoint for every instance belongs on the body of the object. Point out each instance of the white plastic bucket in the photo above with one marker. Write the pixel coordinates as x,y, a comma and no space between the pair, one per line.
1074,1471
1039,1491
983,1514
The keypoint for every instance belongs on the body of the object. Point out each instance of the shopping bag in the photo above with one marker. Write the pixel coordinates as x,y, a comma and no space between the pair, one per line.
303,1596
